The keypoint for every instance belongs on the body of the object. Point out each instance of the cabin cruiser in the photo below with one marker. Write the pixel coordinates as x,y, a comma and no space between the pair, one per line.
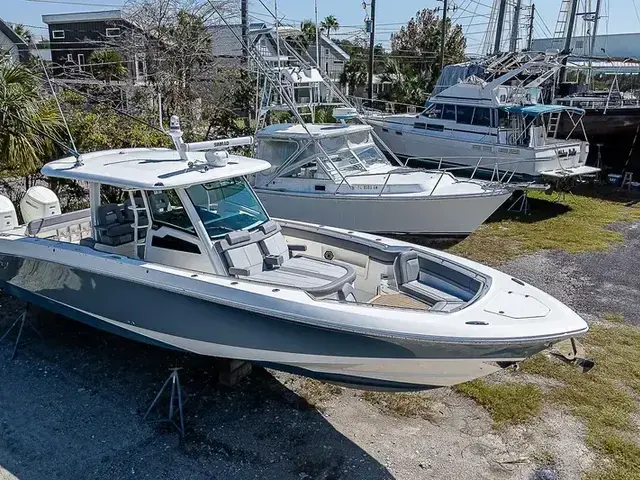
335,174
496,126
189,259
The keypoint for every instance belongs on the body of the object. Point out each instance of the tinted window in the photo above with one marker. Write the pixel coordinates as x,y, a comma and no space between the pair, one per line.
503,118
166,208
482,117
465,114
226,206
419,125
449,112
433,111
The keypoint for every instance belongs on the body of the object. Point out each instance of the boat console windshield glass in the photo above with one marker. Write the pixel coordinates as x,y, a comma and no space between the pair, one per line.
223,206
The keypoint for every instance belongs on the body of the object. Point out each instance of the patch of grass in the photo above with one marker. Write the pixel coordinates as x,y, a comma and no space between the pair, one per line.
612,317
605,397
573,224
412,405
315,392
508,403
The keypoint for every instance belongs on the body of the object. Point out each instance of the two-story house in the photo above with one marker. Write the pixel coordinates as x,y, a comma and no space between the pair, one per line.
11,44
225,44
74,36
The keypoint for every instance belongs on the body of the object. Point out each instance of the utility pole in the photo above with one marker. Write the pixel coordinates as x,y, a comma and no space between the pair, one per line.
318,62
515,27
443,35
244,16
499,26
571,21
530,34
372,38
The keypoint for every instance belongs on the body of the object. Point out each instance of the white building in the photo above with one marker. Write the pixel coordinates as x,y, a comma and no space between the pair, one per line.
12,44
617,45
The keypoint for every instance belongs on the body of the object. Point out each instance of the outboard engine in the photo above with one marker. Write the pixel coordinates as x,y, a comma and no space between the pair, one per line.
8,218
39,202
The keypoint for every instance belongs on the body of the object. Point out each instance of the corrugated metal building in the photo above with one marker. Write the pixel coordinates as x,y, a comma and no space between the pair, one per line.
619,45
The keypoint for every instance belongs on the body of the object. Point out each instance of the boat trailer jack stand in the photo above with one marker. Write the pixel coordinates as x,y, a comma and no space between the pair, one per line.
575,357
21,321
521,204
175,401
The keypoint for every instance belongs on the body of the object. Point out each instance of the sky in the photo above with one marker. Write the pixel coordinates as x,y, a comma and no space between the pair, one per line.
618,16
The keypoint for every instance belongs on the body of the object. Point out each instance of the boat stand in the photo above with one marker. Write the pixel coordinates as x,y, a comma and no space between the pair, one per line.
576,356
521,204
175,400
21,321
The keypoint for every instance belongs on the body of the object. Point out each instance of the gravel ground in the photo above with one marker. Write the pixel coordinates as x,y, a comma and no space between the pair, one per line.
71,406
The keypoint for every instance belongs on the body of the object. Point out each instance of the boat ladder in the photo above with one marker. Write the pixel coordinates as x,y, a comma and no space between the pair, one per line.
554,123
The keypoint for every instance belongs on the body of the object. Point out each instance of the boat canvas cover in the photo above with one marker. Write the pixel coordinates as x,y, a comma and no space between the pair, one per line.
537,110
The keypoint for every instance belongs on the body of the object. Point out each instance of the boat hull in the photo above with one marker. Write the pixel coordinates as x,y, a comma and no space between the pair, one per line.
441,150
153,314
442,216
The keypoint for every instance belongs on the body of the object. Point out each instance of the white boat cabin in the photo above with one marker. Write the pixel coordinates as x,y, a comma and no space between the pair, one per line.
318,157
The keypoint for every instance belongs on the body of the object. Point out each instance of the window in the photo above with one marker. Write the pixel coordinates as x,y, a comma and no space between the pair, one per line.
166,209
579,44
80,60
70,57
433,111
449,112
338,63
226,206
464,114
57,34
419,125
434,127
482,117
503,118
326,51
113,32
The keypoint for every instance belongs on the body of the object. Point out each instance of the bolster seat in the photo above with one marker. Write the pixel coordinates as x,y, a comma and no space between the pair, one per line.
113,227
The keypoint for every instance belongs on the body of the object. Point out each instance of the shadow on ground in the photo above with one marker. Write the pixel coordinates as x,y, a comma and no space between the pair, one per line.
71,406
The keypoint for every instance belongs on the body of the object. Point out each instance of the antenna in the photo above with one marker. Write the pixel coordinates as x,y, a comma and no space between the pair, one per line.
64,120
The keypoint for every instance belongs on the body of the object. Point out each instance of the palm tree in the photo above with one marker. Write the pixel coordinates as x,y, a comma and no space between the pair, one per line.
28,122
23,32
355,74
308,29
107,65
328,24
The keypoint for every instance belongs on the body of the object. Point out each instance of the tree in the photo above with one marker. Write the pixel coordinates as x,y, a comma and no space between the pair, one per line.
355,73
107,65
408,85
28,120
329,23
419,42
23,32
308,29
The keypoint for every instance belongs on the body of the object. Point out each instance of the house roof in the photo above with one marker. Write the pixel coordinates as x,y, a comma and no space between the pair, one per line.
18,41
103,15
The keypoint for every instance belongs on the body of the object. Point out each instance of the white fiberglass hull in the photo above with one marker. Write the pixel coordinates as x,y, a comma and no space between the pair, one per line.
456,215
471,150
284,328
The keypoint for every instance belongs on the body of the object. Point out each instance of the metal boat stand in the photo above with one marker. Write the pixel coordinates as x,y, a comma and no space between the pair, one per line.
175,401
521,204
575,357
21,321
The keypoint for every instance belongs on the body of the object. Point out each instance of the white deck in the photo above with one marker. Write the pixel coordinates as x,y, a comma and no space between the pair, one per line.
149,168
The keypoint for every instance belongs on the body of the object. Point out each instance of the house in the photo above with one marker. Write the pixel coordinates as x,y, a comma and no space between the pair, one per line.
225,45
12,44
74,36
332,57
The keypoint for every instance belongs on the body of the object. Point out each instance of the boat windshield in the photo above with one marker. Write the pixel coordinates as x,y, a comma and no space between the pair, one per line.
352,160
226,206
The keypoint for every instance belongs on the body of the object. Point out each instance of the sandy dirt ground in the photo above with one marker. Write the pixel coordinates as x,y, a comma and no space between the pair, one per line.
71,406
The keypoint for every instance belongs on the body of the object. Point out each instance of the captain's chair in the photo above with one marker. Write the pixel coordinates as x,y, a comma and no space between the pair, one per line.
113,227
